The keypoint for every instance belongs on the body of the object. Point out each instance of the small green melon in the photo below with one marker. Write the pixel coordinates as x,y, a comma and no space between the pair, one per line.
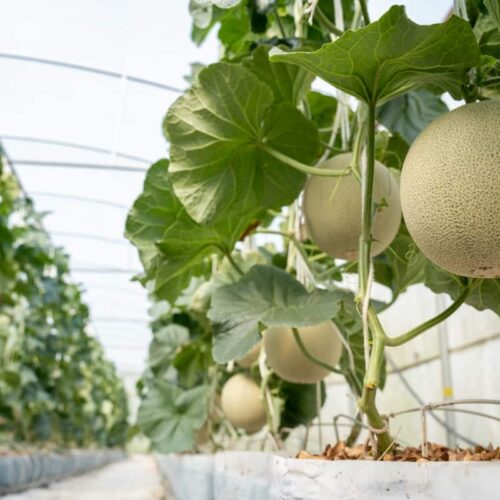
332,210
286,359
450,190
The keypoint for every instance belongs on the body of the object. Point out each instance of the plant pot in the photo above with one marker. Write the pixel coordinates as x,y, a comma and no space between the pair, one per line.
364,480
189,476
266,476
20,472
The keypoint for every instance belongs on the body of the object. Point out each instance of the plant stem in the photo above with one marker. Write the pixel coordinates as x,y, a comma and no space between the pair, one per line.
234,264
302,167
298,245
309,356
365,241
414,332
326,23
491,82
364,11
355,431
367,402
280,24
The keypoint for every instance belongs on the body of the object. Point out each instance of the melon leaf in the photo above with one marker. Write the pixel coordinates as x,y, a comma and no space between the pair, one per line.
288,82
484,296
215,132
170,416
409,114
392,56
163,347
493,7
266,295
171,245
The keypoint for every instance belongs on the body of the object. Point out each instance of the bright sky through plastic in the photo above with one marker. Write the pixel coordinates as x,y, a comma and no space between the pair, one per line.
143,38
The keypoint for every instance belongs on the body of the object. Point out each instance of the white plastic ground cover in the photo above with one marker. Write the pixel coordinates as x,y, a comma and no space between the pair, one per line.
264,476
22,472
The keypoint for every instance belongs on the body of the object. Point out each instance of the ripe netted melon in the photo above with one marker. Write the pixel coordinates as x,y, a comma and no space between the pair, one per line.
450,190
332,209
286,359
251,356
242,403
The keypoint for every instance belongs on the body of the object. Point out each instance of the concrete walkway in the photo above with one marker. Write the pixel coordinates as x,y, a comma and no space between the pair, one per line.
136,478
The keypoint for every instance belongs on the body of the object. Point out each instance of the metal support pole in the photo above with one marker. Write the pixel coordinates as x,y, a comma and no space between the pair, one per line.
446,375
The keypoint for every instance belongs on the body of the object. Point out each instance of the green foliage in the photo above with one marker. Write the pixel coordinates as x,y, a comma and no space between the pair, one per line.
269,296
494,10
392,56
223,184
55,382
401,265
483,296
216,132
300,403
288,83
171,245
170,416
410,113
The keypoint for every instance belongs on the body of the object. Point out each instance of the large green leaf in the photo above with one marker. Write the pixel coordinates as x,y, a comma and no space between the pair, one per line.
392,56
216,131
170,416
173,246
488,35
266,295
288,82
494,10
484,296
192,362
409,114
164,346
151,213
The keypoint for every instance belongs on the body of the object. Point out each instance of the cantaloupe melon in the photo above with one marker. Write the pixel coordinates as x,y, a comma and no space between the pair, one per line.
242,403
450,190
251,356
286,359
332,210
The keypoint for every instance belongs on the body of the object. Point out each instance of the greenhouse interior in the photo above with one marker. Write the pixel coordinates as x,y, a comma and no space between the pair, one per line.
250,249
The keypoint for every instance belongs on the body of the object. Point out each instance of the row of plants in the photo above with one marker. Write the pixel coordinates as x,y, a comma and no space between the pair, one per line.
276,198
56,385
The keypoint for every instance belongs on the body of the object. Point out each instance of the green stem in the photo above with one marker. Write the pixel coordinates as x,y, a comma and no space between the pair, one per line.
326,23
333,148
355,431
309,356
302,167
280,25
364,11
298,245
234,264
356,151
368,406
491,82
367,402
414,332
365,241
